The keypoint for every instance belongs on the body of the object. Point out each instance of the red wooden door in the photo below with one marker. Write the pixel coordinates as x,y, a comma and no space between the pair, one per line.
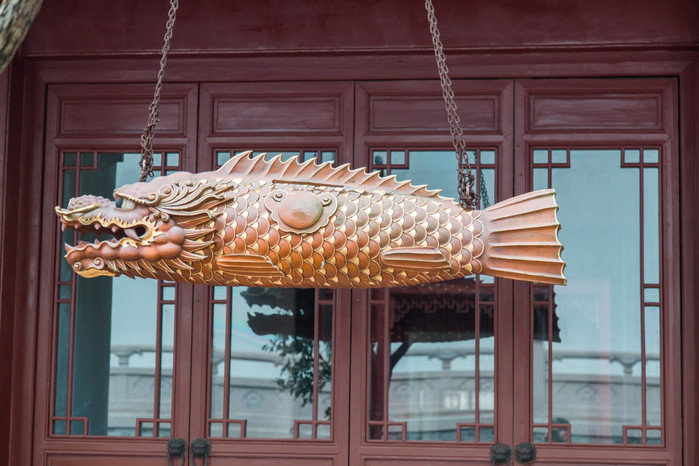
432,364
113,361
601,387
270,382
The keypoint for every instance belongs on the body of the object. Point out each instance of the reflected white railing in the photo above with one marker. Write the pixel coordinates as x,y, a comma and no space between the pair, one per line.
626,359
435,396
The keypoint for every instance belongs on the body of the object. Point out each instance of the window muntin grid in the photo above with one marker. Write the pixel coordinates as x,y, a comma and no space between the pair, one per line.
432,347
113,356
601,382
271,359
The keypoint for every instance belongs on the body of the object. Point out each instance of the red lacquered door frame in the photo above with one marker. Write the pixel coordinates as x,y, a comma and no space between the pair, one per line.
535,128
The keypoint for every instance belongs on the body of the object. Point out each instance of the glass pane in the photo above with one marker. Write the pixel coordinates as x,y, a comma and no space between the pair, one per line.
218,351
272,367
652,295
488,157
220,292
651,229
380,157
173,159
588,336
541,178
63,338
653,400
540,354
397,157
87,159
166,359
323,431
109,382
558,156
432,362
654,437
436,169
487,435
650,155
541,434
69,159
65,291
222,157
430,168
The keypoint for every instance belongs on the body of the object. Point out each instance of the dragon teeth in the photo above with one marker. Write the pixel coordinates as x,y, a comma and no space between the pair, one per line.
131,233
115,228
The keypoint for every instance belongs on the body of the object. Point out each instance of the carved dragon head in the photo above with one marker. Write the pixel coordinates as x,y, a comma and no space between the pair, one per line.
161,229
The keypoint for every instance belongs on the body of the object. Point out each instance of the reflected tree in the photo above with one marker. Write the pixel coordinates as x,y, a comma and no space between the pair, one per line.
292,335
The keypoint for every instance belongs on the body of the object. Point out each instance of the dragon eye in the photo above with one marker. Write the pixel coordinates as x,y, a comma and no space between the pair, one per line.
118,202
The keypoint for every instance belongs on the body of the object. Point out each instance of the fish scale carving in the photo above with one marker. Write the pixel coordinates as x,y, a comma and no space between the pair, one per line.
275,223
345,253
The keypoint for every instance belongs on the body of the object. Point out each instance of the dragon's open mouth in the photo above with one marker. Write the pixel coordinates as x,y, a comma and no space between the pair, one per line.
113,232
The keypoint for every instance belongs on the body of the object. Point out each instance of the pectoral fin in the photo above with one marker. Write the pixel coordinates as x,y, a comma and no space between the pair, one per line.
244,264
415,258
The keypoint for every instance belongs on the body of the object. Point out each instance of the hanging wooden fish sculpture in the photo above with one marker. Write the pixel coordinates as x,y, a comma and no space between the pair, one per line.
281,223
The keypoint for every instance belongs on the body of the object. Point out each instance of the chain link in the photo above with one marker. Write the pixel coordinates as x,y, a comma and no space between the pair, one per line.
146,162
467,196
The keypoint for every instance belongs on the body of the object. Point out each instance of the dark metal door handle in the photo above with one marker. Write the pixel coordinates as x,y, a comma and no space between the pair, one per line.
200,448
176,447
500,453
525,453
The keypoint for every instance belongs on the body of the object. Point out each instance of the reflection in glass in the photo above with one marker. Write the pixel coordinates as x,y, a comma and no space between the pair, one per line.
598,379
109,374
435,377
271,365
432,346
437,169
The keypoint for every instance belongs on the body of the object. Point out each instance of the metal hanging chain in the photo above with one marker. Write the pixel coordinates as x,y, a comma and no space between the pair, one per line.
146,162
467,197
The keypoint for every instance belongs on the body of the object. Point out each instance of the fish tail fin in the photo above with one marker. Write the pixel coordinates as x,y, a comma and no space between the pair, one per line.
521,239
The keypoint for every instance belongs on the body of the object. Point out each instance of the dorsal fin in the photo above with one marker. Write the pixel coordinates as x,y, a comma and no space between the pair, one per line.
255,168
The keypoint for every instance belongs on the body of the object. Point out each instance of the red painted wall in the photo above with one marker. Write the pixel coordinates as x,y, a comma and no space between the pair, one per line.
5,317
97,27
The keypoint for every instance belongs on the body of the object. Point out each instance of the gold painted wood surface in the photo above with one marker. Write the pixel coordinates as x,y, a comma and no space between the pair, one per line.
275,223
